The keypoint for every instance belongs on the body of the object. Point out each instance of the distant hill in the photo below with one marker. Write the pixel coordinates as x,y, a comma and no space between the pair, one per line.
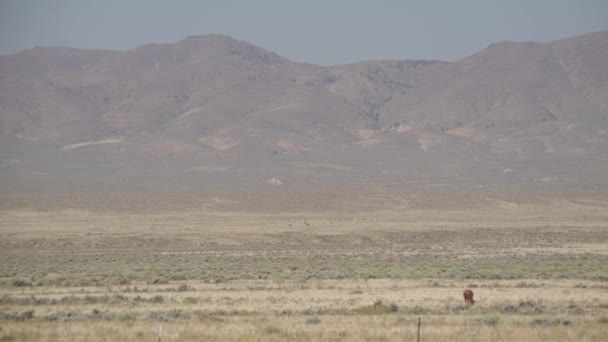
211,112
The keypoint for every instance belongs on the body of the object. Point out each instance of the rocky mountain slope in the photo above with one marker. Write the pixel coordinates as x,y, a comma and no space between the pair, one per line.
214,112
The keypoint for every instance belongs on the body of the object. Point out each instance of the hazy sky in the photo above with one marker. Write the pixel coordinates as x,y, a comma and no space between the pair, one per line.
322,32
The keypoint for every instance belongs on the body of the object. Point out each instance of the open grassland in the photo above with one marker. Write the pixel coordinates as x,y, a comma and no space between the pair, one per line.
539,272
373,310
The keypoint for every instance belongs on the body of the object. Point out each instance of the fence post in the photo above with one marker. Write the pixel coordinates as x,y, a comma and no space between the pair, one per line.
160,332
418,333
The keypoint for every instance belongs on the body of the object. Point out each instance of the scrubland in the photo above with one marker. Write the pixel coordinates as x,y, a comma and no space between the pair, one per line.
539,272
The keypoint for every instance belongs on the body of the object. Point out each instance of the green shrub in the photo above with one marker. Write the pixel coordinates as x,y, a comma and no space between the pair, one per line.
378,308
548,321
524,307
417,309
488,320
65,316
157,299
183,288
178,277
21,283
272,330
126,316
17,316
171,315
191,300
313,320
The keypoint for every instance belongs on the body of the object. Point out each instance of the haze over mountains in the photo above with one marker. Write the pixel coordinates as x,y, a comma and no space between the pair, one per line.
211,112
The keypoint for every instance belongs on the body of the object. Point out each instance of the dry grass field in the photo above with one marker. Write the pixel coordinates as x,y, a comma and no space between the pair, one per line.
539,272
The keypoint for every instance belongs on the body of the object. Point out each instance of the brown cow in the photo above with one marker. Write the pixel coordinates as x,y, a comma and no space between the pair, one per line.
468,296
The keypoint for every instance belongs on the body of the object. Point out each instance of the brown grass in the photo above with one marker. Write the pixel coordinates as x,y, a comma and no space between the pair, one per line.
539,273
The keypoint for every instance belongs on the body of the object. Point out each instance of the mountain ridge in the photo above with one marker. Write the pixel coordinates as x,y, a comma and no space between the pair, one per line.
176,113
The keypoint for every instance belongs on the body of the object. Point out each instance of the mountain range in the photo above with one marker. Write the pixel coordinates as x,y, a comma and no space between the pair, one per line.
212,112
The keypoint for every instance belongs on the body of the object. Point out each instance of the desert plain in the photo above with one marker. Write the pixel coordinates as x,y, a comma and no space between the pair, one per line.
271,267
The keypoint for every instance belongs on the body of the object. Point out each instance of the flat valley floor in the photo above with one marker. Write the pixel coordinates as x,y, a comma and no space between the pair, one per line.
539,272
